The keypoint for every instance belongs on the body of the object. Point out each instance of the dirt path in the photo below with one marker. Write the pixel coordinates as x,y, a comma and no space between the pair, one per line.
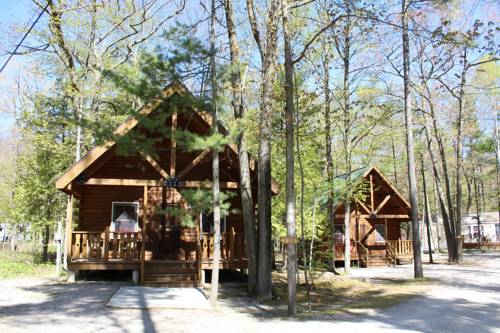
467,300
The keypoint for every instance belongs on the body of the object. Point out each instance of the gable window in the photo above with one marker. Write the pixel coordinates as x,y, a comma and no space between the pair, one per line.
125,217
380,233
207,223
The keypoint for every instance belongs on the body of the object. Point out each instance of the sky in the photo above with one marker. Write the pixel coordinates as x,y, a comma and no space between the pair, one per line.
23,12
11,12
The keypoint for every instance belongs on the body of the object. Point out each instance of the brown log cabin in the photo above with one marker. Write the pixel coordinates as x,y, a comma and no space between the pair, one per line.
122,224
375,223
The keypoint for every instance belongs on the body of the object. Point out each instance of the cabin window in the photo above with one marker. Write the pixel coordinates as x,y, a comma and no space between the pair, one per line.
497,231
207,223
125,217
338,233
380,233
474,232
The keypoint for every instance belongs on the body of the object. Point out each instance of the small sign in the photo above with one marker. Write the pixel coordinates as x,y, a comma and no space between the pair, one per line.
289,240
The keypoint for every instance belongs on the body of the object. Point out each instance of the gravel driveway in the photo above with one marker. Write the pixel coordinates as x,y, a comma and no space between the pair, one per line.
466,300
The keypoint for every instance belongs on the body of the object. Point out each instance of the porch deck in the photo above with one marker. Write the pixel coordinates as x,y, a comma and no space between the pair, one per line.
123,251
391,252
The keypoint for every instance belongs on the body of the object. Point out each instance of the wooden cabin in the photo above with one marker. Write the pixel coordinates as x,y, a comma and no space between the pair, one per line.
376,235
122,219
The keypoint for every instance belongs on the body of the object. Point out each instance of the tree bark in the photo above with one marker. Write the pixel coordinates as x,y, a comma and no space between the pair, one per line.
214,286
450,220
329,158
458,221
439,191
412,179
245,180
264,277
290,167
427,212
345,53
45,243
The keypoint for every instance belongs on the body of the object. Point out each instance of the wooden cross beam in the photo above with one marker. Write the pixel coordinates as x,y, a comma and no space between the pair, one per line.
368,211
382,204
193,163
363,240
155,165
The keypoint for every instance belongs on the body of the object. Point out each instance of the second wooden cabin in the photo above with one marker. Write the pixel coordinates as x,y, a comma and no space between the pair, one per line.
375,223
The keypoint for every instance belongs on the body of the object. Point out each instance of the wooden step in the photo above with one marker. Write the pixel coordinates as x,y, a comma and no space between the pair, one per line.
170,273
168,279
170,270
172,284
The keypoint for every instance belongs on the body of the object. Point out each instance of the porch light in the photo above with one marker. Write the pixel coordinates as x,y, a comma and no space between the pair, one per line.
172,182
81,178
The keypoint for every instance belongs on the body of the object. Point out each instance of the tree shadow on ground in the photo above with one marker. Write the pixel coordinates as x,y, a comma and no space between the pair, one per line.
72,305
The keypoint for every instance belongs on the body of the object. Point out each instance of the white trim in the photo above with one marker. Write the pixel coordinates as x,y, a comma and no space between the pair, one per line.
132,203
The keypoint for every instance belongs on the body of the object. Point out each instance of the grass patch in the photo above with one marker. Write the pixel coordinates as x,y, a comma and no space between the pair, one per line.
333,295
25,262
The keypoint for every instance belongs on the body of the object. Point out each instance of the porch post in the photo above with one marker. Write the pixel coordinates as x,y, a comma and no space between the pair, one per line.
144,224
173,145
69,229
386,233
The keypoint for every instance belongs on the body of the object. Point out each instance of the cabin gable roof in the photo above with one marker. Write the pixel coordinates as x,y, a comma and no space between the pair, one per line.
381,197
103,156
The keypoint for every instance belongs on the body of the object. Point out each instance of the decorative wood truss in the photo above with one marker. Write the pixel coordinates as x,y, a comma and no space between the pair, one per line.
370,209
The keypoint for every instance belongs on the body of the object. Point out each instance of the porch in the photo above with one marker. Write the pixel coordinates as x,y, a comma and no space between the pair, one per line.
125,251
392,252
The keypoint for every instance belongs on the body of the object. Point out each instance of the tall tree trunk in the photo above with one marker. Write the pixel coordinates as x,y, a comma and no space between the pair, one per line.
394,159
345,54
496,139
476,195
417,258
439,192
469,192
427,212
290,168
245,180
458,221
329,158
214,286
450,242
45,243
307,267
264,277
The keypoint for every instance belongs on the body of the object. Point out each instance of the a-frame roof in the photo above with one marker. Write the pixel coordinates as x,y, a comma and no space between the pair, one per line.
384,191
92,156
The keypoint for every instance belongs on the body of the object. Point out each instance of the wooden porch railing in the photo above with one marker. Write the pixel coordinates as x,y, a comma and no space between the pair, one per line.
105,245
232,246
400,248
339,249
363,253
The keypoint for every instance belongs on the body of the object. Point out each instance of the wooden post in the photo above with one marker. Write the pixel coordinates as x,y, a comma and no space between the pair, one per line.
386,235
144,224
173,145
372,196
69,229
105,254
231,244
198,250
